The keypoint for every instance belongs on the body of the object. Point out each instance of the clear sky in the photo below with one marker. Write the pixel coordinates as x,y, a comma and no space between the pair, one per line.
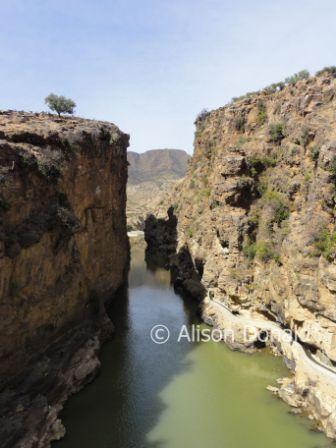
151,65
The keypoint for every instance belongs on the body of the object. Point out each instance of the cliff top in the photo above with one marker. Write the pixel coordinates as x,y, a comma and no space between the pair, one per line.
44,142
292,90
42,129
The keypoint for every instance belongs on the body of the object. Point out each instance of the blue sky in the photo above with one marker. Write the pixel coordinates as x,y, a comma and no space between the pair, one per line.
150,66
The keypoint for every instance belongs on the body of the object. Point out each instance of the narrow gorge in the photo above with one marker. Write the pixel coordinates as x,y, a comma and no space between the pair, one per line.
64,252
245,242
251,231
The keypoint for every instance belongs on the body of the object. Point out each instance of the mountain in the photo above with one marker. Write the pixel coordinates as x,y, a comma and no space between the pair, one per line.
156,165
150,175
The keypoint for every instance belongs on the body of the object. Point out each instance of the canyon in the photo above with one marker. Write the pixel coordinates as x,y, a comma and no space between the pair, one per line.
64,253
247,229
252,228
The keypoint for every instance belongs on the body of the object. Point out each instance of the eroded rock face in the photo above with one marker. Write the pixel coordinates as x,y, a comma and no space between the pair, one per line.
257,208
63,253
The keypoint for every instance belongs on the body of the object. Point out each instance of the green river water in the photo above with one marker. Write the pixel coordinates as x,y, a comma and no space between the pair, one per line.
177,395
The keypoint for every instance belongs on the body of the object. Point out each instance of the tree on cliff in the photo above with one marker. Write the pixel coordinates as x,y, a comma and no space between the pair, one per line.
60,104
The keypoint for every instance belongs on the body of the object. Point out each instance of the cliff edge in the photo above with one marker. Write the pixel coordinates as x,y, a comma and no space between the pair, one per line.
63,253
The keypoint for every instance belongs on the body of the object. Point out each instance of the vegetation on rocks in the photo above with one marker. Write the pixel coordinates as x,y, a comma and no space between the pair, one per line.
304,138
60,104
332,166
276,131
277,202
290,80
260,162
239,123
262,115
261,250
303,74
327,70
202,115
326,244
314,153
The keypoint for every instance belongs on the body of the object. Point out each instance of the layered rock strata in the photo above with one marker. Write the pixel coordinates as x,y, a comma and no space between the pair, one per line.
256,223
63,254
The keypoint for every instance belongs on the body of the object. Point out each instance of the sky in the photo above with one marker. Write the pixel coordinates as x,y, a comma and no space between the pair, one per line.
150,66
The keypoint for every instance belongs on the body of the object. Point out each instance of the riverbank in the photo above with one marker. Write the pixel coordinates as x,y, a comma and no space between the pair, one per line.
311,389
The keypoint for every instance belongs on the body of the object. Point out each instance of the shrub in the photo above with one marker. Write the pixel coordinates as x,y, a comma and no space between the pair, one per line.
304,138
262,116
259,163
329,70
244,97
48,169
190,233
270,89
262,250
242,140
249,250
275,87
303,74
277,108
265,252
276,200
26,161
307,177
202,115
314,153
332,166
281,213
60,104
214,204
280,85
326,244
276,132
239,124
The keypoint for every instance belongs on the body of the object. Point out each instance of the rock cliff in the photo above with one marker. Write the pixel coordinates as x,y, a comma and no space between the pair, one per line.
63,254
256,221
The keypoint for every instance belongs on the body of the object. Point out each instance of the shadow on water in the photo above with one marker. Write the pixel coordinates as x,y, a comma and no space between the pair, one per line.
122,405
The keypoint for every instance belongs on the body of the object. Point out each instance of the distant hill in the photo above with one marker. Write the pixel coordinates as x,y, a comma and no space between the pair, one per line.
156,165
150,175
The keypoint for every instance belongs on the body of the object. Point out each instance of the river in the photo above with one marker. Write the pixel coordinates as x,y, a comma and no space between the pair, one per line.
177,394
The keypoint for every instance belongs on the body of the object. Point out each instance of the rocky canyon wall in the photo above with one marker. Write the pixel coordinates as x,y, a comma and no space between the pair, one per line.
256,219
63,253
